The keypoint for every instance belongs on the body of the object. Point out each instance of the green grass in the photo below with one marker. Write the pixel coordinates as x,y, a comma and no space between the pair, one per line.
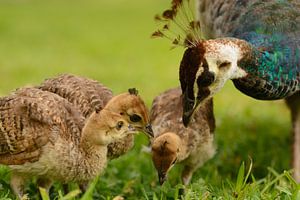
110,41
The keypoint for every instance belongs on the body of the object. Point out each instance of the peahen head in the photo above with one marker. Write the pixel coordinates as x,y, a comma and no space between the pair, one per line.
204,70
206,64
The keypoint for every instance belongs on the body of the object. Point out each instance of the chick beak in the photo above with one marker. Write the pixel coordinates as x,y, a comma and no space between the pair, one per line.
162,177
188,109
131,128
148,130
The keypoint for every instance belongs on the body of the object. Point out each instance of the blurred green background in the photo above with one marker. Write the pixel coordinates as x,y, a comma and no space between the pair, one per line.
105,40
109,40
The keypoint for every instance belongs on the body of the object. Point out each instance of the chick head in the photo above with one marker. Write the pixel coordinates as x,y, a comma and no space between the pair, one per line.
107,127
133,109
165,149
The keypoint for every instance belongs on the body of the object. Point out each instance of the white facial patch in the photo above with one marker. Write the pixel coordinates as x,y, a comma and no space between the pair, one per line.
199,72
218,53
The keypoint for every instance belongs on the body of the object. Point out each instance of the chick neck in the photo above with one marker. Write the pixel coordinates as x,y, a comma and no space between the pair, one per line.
93,137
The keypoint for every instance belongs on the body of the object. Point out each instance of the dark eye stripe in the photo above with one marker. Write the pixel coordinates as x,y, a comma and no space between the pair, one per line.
205,79
188,68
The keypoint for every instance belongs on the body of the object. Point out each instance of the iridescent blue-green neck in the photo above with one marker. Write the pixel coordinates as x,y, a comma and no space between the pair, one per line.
272,64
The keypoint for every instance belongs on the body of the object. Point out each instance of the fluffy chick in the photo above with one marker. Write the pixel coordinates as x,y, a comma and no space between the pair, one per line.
173,143
88,95
43,135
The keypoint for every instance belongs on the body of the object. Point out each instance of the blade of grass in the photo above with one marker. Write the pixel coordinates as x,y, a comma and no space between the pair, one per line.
44,194
240,178
71,194
291,179
88,195
249,171
144,193
278,177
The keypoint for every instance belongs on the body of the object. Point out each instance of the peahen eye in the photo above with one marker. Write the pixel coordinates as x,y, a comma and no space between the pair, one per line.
225,64
135,118
119,125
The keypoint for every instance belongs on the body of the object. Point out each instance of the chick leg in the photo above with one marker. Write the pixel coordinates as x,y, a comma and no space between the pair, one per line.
84,186
187,174
45,183
65,187
17,185
197,159
294,104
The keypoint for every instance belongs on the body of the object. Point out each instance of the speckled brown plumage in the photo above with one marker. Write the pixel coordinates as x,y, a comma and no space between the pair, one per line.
24,117
85,94
44,135
120,147
195,142
88,95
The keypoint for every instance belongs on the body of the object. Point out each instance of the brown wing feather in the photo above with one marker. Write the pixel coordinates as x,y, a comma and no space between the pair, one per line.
166,115
166,107
28,117
85,94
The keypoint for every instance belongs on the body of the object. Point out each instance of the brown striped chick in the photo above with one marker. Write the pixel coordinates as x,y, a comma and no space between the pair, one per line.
88,95
173,143
43,135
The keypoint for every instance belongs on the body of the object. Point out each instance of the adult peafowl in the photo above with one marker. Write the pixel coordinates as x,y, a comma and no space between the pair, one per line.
254,43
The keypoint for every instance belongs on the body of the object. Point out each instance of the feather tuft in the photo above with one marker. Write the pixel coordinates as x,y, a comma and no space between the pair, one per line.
133,91
178,25
169,14
157,33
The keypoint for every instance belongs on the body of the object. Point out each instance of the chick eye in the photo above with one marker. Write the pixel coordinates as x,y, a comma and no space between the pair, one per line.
224,64
135,118
174,161
119,125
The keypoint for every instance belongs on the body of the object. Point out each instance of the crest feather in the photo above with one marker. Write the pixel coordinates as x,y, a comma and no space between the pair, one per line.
133,91
178,24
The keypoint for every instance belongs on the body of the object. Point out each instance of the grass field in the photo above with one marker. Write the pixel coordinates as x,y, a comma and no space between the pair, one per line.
110,41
